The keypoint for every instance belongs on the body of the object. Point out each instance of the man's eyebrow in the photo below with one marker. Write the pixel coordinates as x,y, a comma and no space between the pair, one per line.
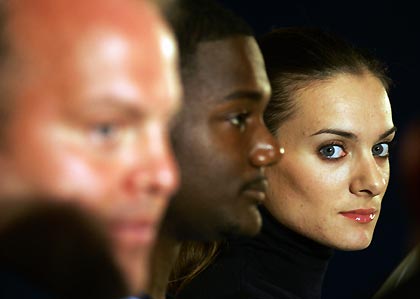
245,94
127,106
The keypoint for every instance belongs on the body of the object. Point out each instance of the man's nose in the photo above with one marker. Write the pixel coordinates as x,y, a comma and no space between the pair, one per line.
265,151
157,171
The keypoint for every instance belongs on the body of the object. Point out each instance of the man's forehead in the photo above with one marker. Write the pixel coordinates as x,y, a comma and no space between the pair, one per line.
229,56
60,12
235,63
57,23
97,60
230,46
47,38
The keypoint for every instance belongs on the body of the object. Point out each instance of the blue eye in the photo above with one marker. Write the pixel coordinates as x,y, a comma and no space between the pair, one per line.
332,151
105,130
381,150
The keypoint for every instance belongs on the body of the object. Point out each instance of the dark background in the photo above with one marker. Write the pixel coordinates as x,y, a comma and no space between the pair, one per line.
390,29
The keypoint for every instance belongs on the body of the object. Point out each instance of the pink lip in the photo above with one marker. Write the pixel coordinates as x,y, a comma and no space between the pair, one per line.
360,215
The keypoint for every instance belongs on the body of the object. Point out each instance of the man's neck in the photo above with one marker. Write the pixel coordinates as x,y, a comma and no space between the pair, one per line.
163,258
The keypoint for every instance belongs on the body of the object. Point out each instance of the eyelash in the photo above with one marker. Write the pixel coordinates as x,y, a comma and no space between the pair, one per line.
389,145
239,119
333,145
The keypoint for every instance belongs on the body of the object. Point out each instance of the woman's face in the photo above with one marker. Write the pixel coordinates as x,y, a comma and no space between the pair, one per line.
330,182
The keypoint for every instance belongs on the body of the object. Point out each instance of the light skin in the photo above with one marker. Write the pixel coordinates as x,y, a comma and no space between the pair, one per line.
92,100
331,180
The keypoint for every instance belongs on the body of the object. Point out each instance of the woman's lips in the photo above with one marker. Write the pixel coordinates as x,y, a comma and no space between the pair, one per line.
360,215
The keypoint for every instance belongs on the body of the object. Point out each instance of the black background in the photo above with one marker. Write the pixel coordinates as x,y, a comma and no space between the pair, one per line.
391,30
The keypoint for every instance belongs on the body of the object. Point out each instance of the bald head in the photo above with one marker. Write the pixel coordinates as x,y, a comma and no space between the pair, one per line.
37,36
40,34
54,24
88,89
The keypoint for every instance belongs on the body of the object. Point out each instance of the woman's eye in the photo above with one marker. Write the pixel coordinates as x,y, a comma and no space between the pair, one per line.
381,150
332,151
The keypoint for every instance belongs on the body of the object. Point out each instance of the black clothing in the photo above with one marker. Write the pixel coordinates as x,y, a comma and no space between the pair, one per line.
276,264
13,286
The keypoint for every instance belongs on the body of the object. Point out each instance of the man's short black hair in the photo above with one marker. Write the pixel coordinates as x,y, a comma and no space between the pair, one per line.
196,21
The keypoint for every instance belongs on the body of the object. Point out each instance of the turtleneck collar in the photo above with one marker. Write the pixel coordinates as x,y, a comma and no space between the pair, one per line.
284,261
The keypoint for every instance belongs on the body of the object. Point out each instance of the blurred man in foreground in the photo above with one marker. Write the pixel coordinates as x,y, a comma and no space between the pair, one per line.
87,91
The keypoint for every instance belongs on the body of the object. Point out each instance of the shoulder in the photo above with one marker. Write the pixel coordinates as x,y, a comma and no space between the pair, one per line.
15,286
222,279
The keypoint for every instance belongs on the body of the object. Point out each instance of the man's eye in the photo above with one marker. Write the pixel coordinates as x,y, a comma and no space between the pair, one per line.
105,130
332,151
105,133
381,149
239,120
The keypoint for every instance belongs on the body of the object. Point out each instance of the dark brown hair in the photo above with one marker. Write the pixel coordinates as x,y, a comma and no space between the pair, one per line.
298,56
193,258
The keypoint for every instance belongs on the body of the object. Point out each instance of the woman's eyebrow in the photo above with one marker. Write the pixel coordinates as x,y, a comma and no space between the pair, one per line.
336,132
388,132
349,135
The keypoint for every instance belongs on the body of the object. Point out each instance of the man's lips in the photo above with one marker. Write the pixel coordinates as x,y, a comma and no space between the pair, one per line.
133,233
360,215
256,189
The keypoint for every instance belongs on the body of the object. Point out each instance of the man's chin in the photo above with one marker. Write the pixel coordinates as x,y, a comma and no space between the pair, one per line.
246,228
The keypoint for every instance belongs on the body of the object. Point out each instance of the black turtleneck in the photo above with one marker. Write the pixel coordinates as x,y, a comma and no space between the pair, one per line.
276,264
